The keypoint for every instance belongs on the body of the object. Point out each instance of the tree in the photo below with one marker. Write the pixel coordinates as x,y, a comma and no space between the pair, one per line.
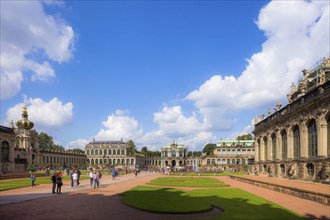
244,137
208,149
45,141
132,147
189,154
77,150
144,150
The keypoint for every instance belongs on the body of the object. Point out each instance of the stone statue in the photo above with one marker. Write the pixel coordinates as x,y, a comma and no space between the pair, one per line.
322,174
321,77
262,116
291,170
270,170
256,172
256,120
268,111
278,105
326,62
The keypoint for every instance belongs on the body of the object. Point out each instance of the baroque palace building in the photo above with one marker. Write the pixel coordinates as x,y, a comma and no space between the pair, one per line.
235,153
19,147
103,153
294,141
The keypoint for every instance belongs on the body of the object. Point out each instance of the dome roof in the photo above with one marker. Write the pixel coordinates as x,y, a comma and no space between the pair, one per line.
24,123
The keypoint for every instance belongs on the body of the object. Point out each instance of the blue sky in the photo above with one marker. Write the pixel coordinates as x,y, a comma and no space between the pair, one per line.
190,71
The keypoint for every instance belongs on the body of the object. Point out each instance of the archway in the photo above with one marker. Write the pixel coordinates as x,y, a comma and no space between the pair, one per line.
173,163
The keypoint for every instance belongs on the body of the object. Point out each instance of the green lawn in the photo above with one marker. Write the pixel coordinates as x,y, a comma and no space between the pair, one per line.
224,173
25,182
187,181
236,203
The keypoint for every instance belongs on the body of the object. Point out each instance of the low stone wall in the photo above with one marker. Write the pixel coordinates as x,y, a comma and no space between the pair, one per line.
305,194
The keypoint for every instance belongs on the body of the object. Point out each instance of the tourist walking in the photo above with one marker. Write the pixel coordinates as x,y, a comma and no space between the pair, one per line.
91,178
135,172
53,178
59,183
96,180
75,179
100,177
113,174
33,179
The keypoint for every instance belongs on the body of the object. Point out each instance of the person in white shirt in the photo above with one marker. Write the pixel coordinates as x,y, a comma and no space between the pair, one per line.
91,178
75,179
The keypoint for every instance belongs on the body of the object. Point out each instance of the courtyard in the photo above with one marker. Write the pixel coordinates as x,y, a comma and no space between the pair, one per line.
105,202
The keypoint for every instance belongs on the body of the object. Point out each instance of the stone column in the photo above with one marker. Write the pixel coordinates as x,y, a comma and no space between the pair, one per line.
279,145
290,143
269,146
321,137
303,140
262,150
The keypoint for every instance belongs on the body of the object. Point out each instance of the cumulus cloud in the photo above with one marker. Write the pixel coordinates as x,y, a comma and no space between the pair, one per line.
120,126
297,36
28,42
45,115
79,143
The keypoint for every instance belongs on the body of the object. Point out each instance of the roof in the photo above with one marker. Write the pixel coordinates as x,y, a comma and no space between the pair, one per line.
7,130
247,143
106,142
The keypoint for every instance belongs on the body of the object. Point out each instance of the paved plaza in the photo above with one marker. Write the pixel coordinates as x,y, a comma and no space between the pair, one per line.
85,202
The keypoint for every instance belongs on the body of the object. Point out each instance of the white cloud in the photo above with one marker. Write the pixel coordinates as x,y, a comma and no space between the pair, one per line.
297,36
79,143
45,115
28,42
119,126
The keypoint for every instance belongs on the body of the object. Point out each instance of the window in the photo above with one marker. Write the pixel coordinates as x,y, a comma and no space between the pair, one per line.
328,148
109,152
92,152
96,152
118,152
284,145
4,151
87,152
173,153
114,152
312,139
105,152
100,152
166,154
296,142
208,161
213,161
122,152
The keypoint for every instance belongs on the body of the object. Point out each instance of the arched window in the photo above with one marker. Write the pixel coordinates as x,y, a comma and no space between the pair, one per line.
284,145
92,152
105,161
296,142
122,152
273,147
233,161
4,151
87,152
213,161
122,161
105,152
266,148
127,161
100,161
96,152
118,152
96,161
228,161
114,152
109,152
312,139
243,161
92,161
208,161
166,154
173,153
132,161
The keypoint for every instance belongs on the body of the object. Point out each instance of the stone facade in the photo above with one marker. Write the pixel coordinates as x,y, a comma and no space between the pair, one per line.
235,153
294,141
117,153
19,147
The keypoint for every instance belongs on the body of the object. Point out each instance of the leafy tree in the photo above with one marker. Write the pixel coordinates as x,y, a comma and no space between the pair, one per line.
45,141
189,154
144,150
245,137
208,149
132,148
77,150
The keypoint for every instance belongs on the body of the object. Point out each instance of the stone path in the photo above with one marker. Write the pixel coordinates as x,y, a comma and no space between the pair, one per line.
104,203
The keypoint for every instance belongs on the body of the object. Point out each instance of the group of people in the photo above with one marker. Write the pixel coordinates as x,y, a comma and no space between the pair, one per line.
95,178
57,181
